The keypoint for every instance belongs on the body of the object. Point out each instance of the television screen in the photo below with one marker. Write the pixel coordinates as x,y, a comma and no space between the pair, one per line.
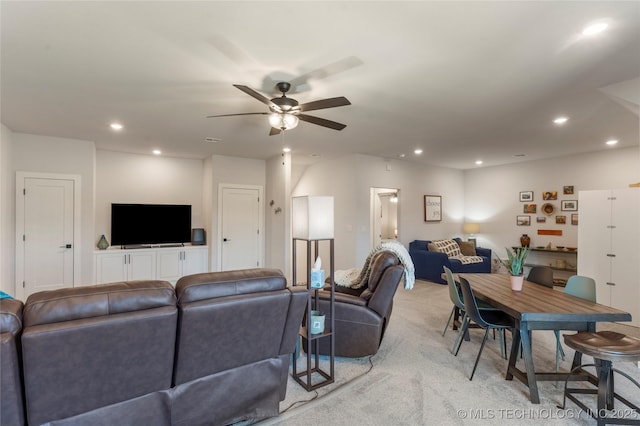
133,224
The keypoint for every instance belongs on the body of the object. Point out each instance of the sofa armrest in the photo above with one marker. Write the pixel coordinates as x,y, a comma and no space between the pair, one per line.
429,264
485,252
343,298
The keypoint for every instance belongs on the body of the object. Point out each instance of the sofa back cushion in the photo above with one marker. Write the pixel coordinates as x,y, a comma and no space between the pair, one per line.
10,380
89,347
234,318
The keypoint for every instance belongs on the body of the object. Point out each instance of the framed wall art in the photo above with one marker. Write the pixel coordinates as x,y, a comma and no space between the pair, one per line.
561,220
541,219
569,205
432,208
567,189
526,196
550,195
523,220
574,219
529,208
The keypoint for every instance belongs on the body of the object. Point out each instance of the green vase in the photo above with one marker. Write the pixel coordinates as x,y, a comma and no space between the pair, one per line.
103,243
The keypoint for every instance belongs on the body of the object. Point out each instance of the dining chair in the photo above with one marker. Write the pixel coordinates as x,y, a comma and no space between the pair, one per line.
456,299
543,275
582,287
489,320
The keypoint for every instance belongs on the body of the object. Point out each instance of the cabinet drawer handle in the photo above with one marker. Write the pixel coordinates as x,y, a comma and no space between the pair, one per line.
611,255
611,283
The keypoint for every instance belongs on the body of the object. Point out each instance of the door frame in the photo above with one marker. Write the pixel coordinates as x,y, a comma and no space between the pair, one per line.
374,195
261,241
21,176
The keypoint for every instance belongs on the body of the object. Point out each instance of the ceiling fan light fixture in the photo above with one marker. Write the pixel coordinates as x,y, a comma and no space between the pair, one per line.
283,121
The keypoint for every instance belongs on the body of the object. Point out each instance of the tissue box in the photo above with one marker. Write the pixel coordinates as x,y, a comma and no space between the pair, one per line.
317,278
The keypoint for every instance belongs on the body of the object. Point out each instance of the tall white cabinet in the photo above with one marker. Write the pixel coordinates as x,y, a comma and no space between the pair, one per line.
608,246
161,263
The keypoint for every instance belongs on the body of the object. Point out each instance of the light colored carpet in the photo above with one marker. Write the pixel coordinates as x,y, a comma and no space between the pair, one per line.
415,380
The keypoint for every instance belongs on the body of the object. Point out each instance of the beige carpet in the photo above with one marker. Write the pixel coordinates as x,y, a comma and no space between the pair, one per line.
415,380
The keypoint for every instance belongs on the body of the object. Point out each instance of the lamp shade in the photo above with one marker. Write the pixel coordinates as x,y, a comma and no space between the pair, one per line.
471,228
312,217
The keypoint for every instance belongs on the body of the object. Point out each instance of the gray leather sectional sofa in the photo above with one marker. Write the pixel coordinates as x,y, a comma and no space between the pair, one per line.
213,351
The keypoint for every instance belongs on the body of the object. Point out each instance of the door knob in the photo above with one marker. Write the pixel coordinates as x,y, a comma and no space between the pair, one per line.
66,246
225,239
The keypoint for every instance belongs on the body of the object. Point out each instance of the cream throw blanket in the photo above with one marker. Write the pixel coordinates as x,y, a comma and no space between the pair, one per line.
357,278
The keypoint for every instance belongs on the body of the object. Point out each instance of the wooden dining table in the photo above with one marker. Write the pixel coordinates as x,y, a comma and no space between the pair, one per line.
537,307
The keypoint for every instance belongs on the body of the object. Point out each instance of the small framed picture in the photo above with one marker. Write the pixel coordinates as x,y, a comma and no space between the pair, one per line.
574,218
561,220
541,219
523,220
567,190
529,208
569,205
550,195
432,208
526,196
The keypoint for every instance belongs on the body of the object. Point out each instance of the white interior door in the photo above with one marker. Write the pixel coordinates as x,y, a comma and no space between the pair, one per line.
45,234
240,228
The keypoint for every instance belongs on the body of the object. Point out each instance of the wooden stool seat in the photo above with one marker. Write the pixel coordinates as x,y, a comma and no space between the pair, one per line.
604,347
607,345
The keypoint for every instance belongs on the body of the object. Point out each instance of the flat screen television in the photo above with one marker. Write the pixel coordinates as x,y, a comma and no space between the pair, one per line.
143,224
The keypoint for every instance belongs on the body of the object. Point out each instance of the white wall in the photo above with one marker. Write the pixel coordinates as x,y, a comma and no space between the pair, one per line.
45,154
492,193
349,180
277,216
7,212
146,179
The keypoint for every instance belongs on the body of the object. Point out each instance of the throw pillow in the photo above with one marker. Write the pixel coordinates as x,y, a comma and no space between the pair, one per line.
467,248
432,247
449,247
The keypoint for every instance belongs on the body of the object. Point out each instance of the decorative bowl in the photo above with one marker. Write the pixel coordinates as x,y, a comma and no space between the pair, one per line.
560,247
572,248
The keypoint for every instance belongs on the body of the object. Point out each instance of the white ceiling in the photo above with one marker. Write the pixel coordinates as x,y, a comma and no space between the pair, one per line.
461,80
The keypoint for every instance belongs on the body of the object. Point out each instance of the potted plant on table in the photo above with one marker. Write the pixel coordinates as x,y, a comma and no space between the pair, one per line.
515,266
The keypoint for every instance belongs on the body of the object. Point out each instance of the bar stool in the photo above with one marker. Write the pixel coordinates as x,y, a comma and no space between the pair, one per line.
604,347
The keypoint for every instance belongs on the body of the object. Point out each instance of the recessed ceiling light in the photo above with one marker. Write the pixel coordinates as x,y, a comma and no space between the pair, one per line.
417,151
156,152
612,142
561,120
286,149
478,162
595,28
519,155
212,139
116,126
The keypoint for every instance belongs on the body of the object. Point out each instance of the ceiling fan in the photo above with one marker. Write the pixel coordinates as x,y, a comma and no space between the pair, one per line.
285,112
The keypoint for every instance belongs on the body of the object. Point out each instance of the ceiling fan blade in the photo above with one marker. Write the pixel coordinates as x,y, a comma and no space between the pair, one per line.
242,113
325,103
321,122
274,131
249,91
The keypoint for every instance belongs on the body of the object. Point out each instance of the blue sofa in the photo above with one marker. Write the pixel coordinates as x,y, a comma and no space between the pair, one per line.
429,264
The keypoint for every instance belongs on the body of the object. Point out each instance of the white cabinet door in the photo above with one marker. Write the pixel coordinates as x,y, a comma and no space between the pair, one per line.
195,261
142,265
111,267
625,260
169,264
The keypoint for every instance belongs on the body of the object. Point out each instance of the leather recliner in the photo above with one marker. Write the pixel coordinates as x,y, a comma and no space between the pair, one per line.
362,316
236,332
11,401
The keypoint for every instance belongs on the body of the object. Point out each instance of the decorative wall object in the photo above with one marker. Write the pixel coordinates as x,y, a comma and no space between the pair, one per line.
574,219
561,220
567,190
526,196
569,205
550,195
432,208
541,219
556,232
523,220
548,209
529,208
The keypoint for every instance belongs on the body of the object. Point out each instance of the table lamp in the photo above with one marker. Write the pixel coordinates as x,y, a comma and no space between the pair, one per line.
471,229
